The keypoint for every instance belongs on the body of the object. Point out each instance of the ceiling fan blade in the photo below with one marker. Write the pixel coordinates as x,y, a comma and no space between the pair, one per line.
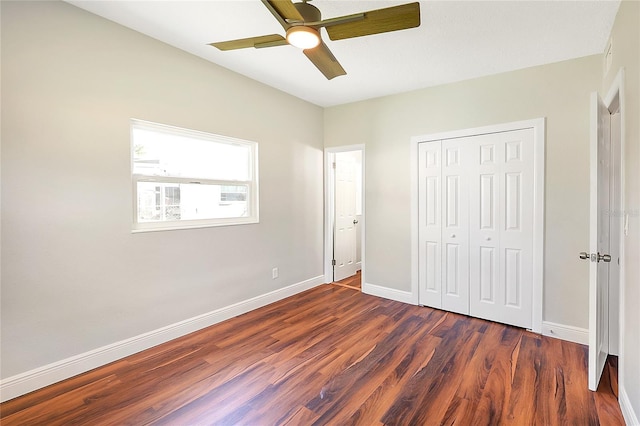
243,43
283,10
378,21
324,60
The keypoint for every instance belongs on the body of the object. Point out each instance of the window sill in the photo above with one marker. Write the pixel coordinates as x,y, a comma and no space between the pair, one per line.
179,226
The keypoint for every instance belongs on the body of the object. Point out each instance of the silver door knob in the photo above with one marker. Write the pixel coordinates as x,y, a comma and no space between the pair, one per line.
355,222
453,235
595,257
604,257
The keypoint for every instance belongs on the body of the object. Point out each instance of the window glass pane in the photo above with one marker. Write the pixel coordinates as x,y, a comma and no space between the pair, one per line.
159,202
168,154
233,193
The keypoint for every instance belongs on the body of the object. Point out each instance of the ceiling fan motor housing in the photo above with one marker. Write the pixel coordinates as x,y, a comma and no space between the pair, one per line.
309,13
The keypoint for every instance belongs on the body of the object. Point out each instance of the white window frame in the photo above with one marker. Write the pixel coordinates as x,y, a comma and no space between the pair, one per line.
252,184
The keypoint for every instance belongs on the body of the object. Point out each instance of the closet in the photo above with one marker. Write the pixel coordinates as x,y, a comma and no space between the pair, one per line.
475,233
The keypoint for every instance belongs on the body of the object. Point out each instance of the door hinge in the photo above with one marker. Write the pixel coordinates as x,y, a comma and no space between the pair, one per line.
333,262
334,165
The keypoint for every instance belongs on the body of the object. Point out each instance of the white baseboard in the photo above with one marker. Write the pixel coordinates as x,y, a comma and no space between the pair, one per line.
565,332
630,417
23,383
389,293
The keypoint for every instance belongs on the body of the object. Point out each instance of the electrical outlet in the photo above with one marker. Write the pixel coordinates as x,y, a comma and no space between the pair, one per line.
274,273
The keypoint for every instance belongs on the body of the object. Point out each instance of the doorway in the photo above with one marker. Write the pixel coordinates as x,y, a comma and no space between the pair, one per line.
607,228
344,215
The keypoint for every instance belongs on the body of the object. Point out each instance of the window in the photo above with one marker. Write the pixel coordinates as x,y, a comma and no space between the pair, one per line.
188,179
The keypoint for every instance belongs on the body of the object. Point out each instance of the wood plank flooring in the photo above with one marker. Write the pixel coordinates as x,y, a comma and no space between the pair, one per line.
353,282
335,356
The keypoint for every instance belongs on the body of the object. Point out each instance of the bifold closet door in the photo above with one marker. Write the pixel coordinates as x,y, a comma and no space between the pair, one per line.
501,227
429,223
455,226
443,230
475,231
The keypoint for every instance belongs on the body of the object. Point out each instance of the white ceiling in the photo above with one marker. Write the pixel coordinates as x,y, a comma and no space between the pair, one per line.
457,40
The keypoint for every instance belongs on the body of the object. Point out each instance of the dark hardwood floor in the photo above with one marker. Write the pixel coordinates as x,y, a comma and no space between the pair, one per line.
353,282
332,355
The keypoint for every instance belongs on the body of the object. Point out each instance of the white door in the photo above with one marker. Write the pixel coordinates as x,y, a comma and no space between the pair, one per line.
599,257
443,230
429,224
455,226
345,217
501,227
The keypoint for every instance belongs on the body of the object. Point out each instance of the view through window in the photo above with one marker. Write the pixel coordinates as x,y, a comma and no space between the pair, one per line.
185,178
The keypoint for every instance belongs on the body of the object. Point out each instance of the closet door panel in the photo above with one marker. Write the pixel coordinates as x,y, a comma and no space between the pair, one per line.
430,223
501,284
484,227
455,229
487,268
516,233
513,278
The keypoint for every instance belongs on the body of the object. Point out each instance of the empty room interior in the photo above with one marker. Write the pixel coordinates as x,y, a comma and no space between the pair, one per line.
268,212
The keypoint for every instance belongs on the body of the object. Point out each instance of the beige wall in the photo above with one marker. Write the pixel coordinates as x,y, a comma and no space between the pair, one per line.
560,92
74,278
626,54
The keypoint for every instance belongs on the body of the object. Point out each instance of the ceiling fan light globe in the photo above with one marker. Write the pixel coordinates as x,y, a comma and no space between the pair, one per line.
303,37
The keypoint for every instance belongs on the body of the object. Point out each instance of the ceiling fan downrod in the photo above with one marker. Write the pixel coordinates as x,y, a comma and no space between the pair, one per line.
308,12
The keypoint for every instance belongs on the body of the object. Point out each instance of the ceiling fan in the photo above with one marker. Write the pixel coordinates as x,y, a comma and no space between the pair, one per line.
302,23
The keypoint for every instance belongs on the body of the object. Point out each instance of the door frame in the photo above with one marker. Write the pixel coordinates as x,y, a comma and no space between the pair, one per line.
329,210
539,128
615,102
599,240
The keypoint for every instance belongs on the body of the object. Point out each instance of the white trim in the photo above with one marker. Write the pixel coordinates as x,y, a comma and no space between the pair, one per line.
415,243
329,188
539,173
539,127
476,131
616,91
614,101
37,378
389,293
329,157
566,332
630,417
